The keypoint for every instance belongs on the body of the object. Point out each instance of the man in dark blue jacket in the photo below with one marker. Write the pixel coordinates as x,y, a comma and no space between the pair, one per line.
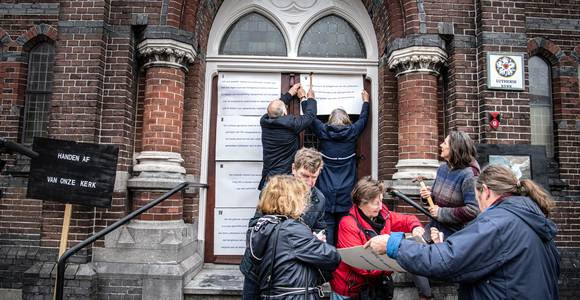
280,132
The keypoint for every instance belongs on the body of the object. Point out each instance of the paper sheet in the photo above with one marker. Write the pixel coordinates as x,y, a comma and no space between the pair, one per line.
335,91
230,229
247,94
365,259
238,184
239,138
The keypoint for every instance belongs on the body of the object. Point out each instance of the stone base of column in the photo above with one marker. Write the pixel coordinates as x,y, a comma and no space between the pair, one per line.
159,257
409,169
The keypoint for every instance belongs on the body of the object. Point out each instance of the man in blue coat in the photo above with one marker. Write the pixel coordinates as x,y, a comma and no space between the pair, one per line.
507,252
280,132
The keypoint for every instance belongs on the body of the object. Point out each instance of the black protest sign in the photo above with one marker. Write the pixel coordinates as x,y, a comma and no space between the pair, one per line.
72,172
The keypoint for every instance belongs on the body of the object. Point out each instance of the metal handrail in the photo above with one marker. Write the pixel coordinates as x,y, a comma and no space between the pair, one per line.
70,252
394,192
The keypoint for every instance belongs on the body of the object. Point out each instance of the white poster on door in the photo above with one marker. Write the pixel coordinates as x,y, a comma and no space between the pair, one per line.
238,184
239,138
230,229
246,94
335,91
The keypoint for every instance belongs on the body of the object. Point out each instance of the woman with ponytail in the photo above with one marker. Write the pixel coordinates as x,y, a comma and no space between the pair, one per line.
507,252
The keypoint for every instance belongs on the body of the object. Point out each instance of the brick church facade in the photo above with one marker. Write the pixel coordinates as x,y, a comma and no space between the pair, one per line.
143,75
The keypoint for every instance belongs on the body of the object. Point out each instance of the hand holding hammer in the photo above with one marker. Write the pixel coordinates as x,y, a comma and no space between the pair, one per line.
425,193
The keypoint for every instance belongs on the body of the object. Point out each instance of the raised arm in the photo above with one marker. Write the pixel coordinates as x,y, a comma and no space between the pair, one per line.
308,249
287,97
360,124
466,256
309,110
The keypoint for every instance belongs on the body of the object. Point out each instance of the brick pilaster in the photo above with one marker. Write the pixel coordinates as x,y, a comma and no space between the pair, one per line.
163,116
417,69
160,164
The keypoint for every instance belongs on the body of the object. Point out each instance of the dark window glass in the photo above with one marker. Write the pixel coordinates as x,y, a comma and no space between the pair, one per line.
253,34
38,92
332,36
541,104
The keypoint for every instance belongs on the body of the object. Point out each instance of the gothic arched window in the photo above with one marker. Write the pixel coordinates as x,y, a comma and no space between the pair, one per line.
541,117
253,34
38,91
332,36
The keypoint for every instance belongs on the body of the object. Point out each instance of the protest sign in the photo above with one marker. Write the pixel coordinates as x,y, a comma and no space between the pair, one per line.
71,172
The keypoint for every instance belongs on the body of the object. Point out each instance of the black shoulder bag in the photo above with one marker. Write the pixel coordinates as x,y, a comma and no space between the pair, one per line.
376,288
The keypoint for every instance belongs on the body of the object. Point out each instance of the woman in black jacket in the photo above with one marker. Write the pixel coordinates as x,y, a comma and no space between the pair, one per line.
338,147
286,253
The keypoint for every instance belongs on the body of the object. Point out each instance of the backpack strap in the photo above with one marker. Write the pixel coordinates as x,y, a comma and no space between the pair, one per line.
368,237
276,234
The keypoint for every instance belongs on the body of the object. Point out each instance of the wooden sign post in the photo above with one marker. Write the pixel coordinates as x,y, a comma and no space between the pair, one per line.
64,232
63,236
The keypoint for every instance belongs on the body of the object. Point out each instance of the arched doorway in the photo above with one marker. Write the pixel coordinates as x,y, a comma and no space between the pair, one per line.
267,46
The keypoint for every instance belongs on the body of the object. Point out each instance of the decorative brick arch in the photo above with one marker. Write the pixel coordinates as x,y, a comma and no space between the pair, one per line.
546,49
576,54
37,34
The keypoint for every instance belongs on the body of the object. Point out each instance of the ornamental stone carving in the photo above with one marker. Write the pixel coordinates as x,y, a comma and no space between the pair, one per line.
166,52
417,59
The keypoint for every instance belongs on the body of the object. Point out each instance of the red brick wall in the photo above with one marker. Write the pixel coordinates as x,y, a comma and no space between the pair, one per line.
169,210
388,22
194,97
123,12
388,142
77,101
19,216
514,106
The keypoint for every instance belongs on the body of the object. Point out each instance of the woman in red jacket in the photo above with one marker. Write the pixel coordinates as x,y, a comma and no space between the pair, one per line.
367,217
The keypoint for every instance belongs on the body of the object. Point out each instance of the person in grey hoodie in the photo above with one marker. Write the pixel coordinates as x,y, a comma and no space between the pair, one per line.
287,256
507,252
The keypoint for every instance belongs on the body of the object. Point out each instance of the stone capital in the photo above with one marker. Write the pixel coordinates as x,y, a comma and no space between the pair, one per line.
166,52
417,59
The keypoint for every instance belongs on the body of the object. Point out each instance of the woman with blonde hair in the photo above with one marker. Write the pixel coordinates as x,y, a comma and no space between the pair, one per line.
286,254
338,147
507,252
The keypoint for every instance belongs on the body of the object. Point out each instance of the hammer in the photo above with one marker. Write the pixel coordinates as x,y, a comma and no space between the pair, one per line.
420,179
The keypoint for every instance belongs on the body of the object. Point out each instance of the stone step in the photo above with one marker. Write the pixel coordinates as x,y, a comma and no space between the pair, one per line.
220,282
216,282
225,282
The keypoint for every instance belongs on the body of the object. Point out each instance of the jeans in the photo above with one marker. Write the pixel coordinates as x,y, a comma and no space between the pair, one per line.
332,220
335,296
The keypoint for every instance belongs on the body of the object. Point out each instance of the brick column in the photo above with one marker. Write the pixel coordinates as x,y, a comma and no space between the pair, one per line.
416,70
159,165
159,250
